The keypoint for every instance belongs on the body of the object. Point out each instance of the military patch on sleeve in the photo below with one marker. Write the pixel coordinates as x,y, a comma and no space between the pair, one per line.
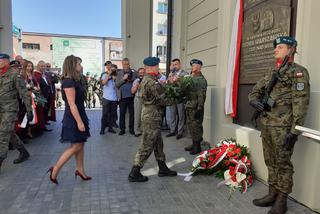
299,74
300,86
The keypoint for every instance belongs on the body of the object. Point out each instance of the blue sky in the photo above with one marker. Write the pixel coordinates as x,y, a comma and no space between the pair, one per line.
76,17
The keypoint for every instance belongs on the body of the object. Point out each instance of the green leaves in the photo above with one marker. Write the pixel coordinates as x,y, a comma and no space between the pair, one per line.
180,90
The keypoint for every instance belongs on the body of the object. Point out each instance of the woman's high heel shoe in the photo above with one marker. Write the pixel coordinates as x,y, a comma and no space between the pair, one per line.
53,180
77,173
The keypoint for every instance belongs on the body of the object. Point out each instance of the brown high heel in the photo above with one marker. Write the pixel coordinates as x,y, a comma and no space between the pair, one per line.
53,180
77,173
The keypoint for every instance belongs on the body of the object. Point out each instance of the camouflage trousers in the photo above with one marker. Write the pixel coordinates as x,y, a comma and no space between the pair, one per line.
151,141
194,125
277,159
7,134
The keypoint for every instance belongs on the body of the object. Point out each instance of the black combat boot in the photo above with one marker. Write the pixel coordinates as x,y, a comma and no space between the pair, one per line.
267,200
23,156
164,170
190,147
1,160
196,148
136,176
280,205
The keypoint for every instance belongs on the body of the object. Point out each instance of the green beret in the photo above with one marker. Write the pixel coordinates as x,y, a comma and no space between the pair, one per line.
196,61
151,61
4,56
284,40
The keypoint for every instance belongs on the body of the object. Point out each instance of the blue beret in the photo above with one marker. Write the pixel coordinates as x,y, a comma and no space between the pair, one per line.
195,61
285,40
151,61
4,56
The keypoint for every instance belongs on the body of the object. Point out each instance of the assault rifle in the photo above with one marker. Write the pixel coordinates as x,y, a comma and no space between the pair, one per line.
267,101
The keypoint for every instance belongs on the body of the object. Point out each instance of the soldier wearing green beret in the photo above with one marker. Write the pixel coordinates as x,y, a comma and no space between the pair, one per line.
154,102
11,86
291,95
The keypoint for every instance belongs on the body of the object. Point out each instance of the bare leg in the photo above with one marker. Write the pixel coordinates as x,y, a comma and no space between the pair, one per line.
66,155
79,155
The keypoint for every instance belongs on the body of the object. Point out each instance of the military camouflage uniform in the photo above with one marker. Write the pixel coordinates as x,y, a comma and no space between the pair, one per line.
291,95
154,102
11,85
196,103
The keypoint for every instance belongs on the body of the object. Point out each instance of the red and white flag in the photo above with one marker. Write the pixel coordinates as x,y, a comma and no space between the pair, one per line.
234,62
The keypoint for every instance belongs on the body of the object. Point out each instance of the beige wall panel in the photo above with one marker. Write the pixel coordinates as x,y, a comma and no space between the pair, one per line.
202,26
193,3
205,41
208,57
202,10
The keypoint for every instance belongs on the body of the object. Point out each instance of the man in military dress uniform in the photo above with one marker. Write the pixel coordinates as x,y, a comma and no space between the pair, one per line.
291,97
11,85
154,102
195,107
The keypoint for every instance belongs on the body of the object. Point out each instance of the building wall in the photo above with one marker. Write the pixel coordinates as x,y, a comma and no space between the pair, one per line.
205,34
34,55
6,43
136,30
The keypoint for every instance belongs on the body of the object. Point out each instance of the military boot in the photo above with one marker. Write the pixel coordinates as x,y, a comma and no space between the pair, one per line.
164,170
136,176
23,156
267,200
280,205
196,148
190,147
1,160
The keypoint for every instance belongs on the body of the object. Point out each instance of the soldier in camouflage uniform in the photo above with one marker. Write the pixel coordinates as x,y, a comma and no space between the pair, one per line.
154,102
11,85
291,95
195,107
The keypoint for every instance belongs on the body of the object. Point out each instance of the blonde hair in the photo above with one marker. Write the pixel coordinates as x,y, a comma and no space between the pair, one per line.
24,68
69,68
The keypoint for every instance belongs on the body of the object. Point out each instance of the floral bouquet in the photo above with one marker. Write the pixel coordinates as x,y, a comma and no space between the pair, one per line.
229,161
179,89
38,98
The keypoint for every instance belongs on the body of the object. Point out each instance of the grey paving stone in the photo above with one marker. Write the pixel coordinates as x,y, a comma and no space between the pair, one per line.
25,188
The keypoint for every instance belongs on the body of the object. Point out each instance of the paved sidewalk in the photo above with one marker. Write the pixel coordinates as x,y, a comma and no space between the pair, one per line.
25,188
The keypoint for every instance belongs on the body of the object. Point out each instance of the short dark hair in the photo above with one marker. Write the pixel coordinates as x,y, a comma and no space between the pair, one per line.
107,63
125,59
140,69
114,66
176,60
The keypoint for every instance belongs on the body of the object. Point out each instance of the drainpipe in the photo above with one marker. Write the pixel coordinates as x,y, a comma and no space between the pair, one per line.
169,36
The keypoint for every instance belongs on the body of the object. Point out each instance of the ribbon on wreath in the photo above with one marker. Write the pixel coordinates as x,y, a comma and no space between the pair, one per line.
35,117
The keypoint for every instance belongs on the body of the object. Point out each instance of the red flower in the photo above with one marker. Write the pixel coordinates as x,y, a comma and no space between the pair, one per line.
238,151
250,179
227,163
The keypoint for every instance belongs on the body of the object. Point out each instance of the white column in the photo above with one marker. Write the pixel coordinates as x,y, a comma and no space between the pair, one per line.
6,43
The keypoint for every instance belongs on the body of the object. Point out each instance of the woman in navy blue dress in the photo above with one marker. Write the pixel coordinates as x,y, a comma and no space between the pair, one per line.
75,123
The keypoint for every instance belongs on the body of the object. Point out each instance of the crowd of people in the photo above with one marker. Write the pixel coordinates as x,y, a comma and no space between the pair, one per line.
29,95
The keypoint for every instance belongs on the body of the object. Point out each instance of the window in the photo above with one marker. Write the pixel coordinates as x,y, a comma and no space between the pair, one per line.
31,46
161,51
162,7
162,29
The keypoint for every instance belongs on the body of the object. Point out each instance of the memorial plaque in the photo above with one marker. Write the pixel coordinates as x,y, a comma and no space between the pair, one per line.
263,21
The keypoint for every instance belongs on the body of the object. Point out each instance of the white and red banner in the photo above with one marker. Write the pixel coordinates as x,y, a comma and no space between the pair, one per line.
234,62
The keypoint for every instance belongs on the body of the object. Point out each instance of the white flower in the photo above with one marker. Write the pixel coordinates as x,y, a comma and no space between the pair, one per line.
239,177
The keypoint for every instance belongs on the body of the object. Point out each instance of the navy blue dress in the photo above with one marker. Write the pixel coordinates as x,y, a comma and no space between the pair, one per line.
70,132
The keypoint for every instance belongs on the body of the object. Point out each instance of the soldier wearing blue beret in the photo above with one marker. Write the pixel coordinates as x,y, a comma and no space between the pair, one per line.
291,94
195,107
11,86
154,102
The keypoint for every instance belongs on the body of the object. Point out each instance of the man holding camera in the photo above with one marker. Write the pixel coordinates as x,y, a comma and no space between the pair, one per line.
124,81
290,97
109,98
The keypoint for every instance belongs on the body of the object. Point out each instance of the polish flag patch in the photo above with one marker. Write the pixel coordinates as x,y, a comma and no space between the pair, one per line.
299,74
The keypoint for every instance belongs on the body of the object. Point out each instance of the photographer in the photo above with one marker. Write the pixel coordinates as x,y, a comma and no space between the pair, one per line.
109,98
137,102
124,81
